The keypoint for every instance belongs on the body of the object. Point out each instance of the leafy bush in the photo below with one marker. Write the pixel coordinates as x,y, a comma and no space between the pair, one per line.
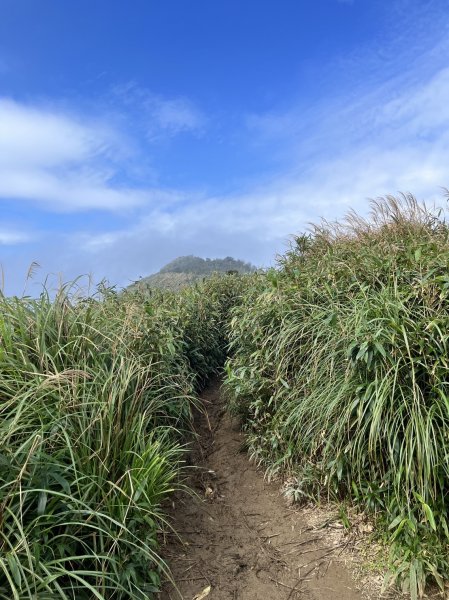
341,371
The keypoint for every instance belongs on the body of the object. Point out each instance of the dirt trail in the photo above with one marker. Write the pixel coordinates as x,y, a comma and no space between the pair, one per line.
239,537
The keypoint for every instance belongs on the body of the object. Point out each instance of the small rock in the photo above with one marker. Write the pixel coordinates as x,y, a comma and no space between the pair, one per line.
209,493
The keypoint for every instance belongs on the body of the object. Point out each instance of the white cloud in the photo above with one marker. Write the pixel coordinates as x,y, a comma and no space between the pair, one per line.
72,191
422,110
11,237
38,137
64,162
391,135
387,137
161,117
384,142
174,116
372,149
59,162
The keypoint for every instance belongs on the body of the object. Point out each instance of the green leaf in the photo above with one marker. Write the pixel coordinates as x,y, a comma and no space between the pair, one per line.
380,349
429,515
42,503
12,562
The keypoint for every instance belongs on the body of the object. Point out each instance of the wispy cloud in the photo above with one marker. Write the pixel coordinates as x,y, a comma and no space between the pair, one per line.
63,162
371,139
386,132
160,116
41,138
365,149
11,237
391,138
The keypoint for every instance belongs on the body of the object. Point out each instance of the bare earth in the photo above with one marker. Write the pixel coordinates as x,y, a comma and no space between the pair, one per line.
239,540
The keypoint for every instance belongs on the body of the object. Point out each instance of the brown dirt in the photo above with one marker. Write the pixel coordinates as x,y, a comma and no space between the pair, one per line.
239,537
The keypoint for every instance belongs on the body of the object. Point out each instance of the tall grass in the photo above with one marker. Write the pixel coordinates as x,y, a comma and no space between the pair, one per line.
95,396
341,371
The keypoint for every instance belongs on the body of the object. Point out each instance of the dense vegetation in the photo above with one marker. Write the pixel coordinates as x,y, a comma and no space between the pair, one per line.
186,270
338,363
96,396
205,266
341,373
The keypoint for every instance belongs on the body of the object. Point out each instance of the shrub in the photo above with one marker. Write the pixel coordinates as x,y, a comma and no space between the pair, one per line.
341,370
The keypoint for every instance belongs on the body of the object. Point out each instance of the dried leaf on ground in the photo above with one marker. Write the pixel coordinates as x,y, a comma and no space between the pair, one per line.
202,594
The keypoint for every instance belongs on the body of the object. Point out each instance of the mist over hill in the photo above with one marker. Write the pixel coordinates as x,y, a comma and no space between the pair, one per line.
186,270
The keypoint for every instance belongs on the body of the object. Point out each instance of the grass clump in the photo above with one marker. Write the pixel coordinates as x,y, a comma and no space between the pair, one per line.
95,396
341,372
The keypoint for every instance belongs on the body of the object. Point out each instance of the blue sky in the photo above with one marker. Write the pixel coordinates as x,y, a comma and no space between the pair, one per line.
135,132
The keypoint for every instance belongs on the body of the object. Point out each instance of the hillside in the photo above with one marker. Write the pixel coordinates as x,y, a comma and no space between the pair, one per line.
186,270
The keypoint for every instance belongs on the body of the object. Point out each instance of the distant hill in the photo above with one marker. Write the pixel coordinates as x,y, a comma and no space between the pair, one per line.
185,270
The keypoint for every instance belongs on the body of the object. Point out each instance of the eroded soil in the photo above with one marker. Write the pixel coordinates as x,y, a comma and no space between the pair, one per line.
239,537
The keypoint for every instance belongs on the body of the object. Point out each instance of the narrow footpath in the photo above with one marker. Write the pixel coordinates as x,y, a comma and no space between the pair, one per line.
238,540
